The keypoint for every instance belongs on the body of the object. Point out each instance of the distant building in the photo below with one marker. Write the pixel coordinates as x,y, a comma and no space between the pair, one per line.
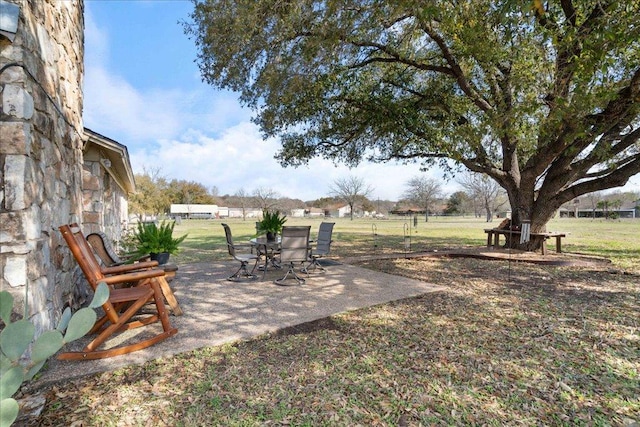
194,211
575,209
337,211
315,212
407,211
244,212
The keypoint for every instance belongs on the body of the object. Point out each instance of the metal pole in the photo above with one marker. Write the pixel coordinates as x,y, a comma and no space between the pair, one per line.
374,230
407,239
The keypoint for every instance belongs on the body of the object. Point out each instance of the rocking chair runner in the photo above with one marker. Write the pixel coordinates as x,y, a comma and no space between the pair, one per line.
123,304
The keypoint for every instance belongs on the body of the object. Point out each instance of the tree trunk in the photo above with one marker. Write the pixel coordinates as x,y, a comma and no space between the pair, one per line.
487,209
525,207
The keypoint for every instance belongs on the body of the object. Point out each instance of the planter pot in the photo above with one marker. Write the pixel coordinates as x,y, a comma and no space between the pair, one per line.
162,257
271,237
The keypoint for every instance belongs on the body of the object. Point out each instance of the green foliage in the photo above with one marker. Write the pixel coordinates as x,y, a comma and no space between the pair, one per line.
272,222
189,192
151,196
459,203
18,336
154,194
519,94
151,238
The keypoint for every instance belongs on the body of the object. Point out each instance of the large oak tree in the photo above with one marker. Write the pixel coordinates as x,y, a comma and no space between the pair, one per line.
543,97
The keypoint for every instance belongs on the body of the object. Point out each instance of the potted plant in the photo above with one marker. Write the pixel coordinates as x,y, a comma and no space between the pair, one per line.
271,224
156,241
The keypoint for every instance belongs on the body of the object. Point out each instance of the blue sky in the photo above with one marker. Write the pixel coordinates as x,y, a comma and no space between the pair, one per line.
142,88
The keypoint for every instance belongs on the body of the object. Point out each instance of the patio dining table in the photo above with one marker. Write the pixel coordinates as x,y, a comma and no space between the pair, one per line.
268,248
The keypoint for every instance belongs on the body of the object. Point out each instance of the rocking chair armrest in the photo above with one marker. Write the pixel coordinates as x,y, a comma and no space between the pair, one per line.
133,277
124,268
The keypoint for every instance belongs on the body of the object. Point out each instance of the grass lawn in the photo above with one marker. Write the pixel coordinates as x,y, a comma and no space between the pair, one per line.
618,240
504,344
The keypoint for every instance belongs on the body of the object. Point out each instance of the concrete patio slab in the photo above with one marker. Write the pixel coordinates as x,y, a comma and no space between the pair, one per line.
217,311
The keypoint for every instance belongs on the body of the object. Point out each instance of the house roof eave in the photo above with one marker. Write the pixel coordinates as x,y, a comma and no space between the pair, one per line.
118,156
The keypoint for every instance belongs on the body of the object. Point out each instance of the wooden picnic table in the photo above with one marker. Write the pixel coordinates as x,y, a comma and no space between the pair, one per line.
493,238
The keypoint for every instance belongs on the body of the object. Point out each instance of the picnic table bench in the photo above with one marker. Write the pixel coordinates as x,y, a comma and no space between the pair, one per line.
493,238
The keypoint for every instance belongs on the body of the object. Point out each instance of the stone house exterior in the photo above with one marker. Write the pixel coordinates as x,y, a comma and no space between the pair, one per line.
107,181
54,171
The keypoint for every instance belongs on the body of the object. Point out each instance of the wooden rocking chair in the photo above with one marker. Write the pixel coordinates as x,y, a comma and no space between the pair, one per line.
122,309
103,249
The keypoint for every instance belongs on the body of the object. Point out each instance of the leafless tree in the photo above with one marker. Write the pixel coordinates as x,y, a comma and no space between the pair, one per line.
484,191
243,201
265,198
351,190
423,191
594,198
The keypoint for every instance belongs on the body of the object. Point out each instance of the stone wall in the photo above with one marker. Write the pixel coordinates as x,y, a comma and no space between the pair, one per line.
41,154
105,202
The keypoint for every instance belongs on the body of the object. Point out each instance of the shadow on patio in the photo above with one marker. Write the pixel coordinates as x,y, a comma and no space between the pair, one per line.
217,311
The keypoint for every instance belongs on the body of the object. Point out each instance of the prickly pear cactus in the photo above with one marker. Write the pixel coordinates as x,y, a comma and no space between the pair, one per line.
16,337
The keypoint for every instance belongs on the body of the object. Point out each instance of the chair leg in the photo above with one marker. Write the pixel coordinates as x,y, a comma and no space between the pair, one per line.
243,273
90,352
314,265
121,325
290,271
170,297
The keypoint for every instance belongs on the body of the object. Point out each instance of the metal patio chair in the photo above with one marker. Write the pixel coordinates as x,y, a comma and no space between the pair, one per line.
322,246
243,258
294,249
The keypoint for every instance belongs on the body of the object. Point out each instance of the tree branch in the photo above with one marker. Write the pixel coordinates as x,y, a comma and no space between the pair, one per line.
395,58
411,156
617,177
605,149
569,11
461,79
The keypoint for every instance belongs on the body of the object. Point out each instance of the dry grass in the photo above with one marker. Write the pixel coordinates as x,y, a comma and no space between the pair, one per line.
526,345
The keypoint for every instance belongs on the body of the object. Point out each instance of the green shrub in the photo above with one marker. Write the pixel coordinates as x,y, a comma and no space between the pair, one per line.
150,238
272,222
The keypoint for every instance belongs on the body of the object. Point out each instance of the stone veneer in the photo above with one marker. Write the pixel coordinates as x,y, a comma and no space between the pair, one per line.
41,154
105,203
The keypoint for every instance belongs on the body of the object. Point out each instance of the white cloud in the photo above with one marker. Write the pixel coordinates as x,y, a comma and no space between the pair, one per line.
113,104
115,108
96,41
240,159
